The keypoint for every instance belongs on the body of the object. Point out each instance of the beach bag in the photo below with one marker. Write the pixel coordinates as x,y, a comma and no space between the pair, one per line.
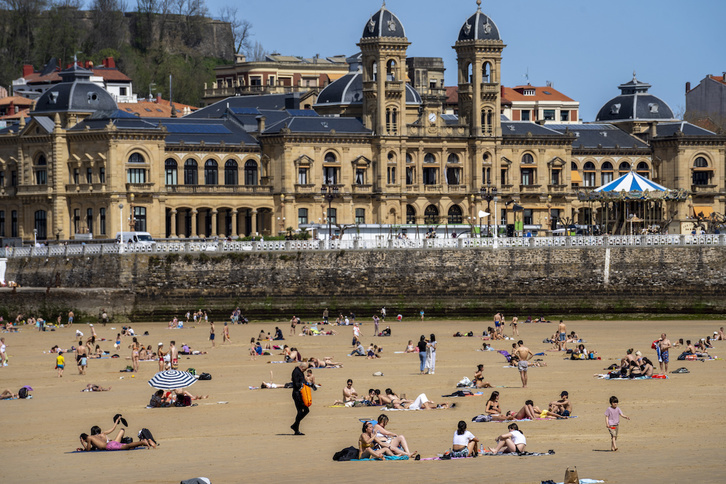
654,345
307,395
346,454
205,376
192,371
571,476
23,393
146,434
183,401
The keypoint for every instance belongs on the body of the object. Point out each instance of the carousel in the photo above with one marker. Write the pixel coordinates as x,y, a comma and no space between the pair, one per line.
633,205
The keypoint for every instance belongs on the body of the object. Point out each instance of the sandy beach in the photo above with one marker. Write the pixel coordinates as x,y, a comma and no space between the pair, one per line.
240,435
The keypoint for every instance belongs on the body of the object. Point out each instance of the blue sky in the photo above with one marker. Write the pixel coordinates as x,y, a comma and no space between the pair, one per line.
586,48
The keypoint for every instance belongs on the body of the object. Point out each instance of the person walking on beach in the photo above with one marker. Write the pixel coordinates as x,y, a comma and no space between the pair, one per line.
562,335
298,380
225,334
383,313
60,363
81,358
612,420
211,333
523,354
661,350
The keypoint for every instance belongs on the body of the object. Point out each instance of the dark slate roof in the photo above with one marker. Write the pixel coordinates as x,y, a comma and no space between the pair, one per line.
321,124
45,122
120,123
479,27
635,103
75,94
383,23
520,128
349,90
249,121
268,101
688,129
211,132
599,136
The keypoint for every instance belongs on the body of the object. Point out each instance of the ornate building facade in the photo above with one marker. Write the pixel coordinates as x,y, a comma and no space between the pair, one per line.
381,153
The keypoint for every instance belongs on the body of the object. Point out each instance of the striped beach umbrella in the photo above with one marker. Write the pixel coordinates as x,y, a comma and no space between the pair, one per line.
172,379
632,182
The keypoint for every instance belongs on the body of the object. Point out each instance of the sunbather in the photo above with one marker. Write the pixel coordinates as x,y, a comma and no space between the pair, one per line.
396,443
479,378
367,443
97,442
95,388
512,442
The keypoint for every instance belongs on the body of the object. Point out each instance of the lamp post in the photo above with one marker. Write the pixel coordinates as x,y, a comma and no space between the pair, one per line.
488,193
549,213
35,237
121,226
329,193
496,227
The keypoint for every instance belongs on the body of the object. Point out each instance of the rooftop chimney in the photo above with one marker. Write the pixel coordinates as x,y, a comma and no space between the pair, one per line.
260,124
158,98
688,86
27,70
110,63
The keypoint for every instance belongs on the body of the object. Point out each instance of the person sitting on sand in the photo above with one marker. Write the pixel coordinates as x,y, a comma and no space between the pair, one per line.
159,399
563,406
690,349
373,352
358,351
97,442
95,388
511,442
479,378
350,395
397,444
646,367
627,358
184,393
464,442
392,400
367,444
492,407
720,335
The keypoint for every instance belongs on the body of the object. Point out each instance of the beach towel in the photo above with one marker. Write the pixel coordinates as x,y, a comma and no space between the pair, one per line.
518,454
506,354
586,481
463,393
388,457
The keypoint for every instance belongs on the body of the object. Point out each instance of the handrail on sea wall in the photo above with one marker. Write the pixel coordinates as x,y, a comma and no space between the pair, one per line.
222,246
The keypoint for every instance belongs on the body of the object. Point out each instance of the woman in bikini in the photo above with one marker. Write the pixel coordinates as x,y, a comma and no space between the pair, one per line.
367,444
135,347
97,442
492,407
395,443
479,378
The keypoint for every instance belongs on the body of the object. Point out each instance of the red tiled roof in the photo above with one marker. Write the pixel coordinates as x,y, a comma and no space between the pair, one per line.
540,94
152,109
15,100
23,113
452,94
721,79
104,72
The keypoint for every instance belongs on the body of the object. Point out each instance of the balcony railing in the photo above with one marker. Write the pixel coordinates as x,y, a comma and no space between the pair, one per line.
185,189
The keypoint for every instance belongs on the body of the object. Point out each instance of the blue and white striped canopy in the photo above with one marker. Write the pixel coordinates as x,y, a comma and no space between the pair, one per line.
632,182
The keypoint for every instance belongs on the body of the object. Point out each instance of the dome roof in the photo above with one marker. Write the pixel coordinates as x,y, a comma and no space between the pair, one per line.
635,104
383,23
75,93
479,27
349,88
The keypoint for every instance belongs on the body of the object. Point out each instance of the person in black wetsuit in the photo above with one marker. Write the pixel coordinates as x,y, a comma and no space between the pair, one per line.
298,380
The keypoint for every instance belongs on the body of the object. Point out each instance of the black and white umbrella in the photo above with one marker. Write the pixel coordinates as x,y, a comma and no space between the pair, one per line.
172,379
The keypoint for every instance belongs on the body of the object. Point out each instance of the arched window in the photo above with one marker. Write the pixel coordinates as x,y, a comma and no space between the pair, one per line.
607,173
250,173
135,175
431,215
643,170
486,122
136,158
230,172
588,174
468,72
455,214
624,168
330,158
374,71
701,172
429,158
391,120
410,214
190,172
391,70
41,172
527,159
41,161
486,72
171,173
210,172
453,158
409,158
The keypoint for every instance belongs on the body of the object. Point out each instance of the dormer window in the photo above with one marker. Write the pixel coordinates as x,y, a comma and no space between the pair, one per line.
615,109
529,92
653,108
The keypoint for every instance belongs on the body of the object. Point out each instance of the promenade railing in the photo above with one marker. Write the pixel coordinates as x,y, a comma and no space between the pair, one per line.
192,246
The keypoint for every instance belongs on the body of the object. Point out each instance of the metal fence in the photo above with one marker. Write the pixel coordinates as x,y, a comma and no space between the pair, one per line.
198,247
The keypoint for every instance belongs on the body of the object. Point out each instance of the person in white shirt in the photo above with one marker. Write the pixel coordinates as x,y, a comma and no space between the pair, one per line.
512,442
464,442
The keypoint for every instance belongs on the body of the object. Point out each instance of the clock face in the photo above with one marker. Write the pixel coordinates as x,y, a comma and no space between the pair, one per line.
432,117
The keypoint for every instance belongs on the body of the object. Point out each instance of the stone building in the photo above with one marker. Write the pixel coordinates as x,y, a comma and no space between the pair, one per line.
386,154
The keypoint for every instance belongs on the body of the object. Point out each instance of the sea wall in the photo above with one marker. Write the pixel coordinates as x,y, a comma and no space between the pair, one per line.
466,282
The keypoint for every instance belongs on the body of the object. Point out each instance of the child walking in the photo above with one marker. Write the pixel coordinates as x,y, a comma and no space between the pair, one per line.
612,420
60,363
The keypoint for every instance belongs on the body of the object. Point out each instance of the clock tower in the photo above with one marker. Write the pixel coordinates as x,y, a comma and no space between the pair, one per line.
479,57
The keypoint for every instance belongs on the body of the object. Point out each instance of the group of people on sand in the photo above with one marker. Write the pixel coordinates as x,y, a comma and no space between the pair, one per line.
561,408
389,399
178,397
100,440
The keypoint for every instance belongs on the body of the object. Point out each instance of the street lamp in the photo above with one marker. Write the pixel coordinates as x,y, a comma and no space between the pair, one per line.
329,193
488,193
496,226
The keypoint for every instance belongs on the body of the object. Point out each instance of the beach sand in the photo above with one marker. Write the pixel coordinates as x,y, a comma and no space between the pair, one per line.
676,432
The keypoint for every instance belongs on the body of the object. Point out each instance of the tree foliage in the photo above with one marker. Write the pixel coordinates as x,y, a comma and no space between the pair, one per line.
150,39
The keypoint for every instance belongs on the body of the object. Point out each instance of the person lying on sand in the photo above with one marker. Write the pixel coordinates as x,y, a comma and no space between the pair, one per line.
95,388
98,442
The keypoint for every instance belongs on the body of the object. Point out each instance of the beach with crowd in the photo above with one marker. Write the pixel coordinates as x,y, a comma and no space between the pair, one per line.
520,391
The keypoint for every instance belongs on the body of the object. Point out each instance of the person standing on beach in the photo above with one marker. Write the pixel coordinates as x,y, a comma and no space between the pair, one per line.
383,313
513,324
70,318
431,355
422,314
422,352
3,356
375,325
60,363
173,355
298,380
225,334
498,323
662,350
325,315
523,354
104,316
562,335
612,420
211,333
81,358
